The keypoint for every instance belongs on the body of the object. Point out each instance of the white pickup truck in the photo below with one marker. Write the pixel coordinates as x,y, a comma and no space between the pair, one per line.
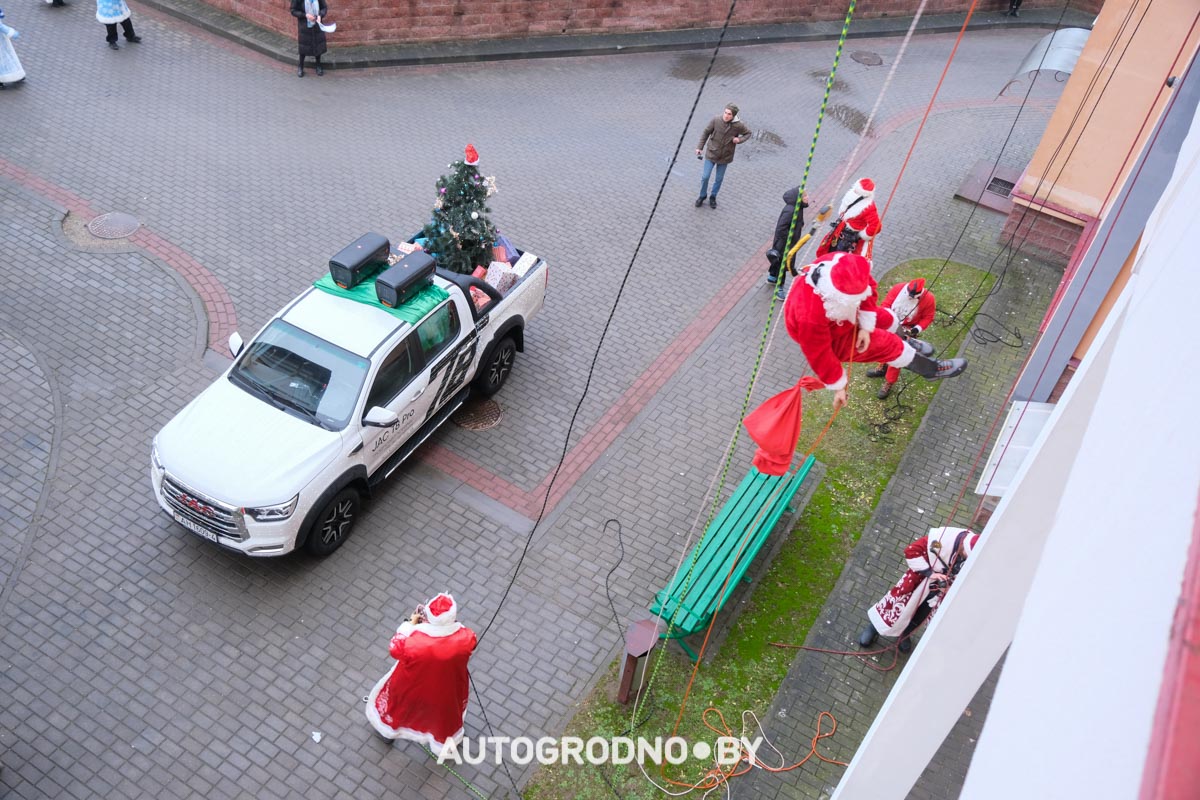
327,401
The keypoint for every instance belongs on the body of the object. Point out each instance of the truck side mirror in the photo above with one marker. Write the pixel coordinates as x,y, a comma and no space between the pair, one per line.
235,344
379,417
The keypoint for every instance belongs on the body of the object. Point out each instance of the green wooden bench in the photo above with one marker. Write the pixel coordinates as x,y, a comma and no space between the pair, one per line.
726,550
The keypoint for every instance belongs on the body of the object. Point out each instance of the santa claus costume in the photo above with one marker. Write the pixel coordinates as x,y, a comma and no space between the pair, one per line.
912,307
917,594
857,221
424,696
832,301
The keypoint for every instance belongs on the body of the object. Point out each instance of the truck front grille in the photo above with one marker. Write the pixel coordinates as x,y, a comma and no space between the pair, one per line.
213,515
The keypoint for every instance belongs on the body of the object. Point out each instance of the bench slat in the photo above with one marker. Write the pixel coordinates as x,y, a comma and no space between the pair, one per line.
750,514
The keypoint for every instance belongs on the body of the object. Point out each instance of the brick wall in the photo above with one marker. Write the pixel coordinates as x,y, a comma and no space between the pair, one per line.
368,22
1042,235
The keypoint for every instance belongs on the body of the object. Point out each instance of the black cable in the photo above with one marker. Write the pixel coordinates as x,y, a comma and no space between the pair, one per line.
985,336
491,731
608,322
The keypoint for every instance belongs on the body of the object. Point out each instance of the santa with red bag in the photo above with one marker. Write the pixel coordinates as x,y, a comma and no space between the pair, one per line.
832,313
857,221
913,307
424,696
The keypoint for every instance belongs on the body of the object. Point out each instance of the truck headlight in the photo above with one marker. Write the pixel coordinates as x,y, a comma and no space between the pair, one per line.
274,513
155,461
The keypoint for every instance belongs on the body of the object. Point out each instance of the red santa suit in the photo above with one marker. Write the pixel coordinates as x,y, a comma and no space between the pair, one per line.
857,215
833,299
912,312
424,696
893,613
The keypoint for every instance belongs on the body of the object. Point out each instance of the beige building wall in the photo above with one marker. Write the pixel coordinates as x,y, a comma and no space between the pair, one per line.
1142,41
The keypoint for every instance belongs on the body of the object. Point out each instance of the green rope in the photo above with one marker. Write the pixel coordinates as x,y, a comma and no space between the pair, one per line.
762,345
463,780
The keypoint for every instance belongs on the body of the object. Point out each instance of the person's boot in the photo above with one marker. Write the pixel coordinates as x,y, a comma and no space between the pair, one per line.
700,201
922,347
712,201
866,636
885,390
773,258
905,644
877,371
932,370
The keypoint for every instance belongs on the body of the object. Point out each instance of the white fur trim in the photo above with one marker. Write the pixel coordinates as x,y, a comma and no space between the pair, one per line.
895,326
852,194
905,358
437,631
840,383
866,321
917,564
387,732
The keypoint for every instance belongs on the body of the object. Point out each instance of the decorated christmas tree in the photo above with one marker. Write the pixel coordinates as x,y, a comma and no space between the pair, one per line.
460,236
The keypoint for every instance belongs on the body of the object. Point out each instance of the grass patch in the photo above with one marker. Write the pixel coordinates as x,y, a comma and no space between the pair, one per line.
860,453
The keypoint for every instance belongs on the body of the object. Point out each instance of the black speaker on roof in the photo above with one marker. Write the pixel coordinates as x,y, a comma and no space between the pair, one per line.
405,278
364,256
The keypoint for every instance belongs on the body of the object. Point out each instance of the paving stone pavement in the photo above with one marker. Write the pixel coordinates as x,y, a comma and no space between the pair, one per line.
139,661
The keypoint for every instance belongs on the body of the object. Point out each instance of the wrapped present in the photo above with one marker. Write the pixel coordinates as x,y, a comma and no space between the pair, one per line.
502,276
479,297
499,253
480,272
524,264
510,252
408,247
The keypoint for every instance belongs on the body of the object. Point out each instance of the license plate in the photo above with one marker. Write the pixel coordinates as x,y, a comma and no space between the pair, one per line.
197,529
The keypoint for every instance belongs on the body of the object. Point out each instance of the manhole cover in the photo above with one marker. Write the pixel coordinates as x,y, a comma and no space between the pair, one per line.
478,415
114,225
867,57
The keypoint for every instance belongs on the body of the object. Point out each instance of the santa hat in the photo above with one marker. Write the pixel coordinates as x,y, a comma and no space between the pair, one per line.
849,274
472,155
441,610
860,195
916,287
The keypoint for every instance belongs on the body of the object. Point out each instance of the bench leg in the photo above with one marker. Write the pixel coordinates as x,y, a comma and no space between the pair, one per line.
691,654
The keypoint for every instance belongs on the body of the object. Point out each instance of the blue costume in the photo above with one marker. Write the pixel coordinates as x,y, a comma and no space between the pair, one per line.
110,12
11,70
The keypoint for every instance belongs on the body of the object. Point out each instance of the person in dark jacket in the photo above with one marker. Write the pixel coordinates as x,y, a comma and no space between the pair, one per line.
309,36
723,134
782,226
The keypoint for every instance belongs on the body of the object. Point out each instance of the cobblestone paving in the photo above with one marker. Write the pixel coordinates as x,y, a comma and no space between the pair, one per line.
137,660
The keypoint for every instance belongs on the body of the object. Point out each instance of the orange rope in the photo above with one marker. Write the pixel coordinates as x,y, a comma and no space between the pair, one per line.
929,107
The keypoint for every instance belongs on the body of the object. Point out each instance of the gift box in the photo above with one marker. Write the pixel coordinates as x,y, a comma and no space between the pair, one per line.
501,276
509,253
408,247
479,297
524,264
480,272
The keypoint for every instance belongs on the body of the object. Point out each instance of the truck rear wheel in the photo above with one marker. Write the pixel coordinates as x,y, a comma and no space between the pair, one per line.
334,523
494,372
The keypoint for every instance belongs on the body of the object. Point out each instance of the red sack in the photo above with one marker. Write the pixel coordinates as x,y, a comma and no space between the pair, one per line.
775,427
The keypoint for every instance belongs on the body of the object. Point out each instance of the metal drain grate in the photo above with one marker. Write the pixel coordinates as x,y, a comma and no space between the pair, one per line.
478,415
114,225
867,58
1001,187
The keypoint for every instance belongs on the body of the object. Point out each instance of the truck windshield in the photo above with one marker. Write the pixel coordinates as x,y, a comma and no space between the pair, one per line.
302,374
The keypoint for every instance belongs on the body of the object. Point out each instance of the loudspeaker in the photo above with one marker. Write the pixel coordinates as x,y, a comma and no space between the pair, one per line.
358,260
405,278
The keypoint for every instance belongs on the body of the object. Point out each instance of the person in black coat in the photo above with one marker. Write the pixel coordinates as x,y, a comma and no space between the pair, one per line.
309,36
782,226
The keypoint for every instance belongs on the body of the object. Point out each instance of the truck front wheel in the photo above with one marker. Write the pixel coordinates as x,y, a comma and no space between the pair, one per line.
494,372
334,523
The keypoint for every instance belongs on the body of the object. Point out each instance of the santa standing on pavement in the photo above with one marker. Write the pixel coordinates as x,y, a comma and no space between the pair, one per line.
913,307
857,221
832,313
424,696
933,561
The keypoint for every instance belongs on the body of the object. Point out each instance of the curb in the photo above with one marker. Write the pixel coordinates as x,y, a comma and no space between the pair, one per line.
283,48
